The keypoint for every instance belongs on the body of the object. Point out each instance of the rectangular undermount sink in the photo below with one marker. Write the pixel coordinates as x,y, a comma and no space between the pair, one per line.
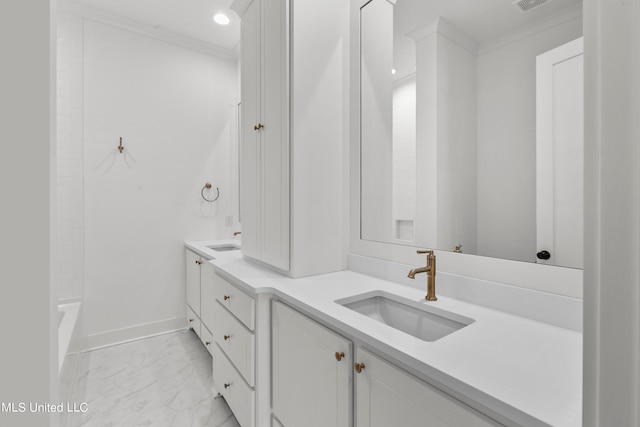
417,318
224,248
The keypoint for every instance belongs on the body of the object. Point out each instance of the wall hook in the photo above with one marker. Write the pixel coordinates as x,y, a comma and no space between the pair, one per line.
120,147
206,187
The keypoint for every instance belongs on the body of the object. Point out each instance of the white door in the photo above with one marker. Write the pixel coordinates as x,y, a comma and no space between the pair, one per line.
207,295
275,136
250,138
560,155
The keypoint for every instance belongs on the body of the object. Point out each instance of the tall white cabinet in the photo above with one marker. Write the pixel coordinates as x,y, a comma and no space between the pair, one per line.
294,68
265,138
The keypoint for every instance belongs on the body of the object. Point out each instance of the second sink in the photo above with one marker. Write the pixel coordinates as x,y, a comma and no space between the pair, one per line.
415,318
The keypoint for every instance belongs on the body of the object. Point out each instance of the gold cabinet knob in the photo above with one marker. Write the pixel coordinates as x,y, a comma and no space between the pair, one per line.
207,343
258,126
190,320
226,337
226,297
359,367
339,355
198,262
227,385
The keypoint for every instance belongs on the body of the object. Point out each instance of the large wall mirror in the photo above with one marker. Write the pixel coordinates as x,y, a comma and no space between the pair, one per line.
471,132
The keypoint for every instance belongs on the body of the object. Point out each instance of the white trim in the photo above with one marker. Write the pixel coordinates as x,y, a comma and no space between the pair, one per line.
568,14
74,8
133,333
611,378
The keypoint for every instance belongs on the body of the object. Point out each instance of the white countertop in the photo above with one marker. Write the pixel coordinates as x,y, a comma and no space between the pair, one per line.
527,371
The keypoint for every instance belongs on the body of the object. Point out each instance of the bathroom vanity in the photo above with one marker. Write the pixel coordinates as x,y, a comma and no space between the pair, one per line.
302,341
310,351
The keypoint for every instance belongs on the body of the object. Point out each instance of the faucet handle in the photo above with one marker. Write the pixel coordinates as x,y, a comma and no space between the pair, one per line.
429,252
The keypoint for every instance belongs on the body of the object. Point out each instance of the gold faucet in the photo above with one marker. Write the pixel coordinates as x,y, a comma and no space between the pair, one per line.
430,269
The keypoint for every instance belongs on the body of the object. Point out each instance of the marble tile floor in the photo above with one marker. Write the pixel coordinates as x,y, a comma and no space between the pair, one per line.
162,381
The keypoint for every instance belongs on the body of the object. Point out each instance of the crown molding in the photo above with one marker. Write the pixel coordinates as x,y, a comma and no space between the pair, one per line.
559,18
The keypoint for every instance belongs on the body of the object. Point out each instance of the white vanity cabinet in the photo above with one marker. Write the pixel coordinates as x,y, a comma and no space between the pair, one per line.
387,395
264,130
314,370
311,372
200,300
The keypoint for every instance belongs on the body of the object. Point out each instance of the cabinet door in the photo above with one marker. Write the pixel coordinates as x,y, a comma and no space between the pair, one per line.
193,281
250,138
207,294
388,396
275,135
311,387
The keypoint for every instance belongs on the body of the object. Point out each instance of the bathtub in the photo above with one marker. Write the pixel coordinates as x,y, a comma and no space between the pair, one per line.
68,331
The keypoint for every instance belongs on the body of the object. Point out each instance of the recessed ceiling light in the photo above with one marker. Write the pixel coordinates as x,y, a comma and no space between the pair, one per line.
393,71
221,19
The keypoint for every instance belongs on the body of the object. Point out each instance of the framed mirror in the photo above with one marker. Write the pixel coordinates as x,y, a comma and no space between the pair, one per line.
471,127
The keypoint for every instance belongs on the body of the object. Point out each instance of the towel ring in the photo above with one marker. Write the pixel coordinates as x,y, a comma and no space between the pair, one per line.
207,186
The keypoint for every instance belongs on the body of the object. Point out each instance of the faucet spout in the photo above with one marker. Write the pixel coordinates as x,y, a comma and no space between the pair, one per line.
413,272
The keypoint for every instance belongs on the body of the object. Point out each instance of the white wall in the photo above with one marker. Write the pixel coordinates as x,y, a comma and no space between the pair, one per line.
175,109
69,251
29,368
507,130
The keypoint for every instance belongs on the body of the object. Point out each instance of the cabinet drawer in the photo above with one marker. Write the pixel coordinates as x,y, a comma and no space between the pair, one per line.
236,341
193,321
237,302
207,338
228,382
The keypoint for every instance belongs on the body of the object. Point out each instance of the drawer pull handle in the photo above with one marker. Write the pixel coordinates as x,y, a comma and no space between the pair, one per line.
359,367
226,337
207,343
339,355
226,297
227,385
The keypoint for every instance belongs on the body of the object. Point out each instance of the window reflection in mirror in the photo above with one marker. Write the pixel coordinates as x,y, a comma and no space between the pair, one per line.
450,137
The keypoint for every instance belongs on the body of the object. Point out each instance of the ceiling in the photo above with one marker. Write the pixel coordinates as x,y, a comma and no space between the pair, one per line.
191,18
482,20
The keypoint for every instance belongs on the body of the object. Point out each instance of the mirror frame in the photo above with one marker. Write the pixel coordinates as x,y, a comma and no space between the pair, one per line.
546,278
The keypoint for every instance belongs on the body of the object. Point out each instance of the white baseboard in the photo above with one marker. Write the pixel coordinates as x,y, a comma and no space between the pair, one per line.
133,333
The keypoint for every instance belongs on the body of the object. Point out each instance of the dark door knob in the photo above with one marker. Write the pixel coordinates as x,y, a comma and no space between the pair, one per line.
543,255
